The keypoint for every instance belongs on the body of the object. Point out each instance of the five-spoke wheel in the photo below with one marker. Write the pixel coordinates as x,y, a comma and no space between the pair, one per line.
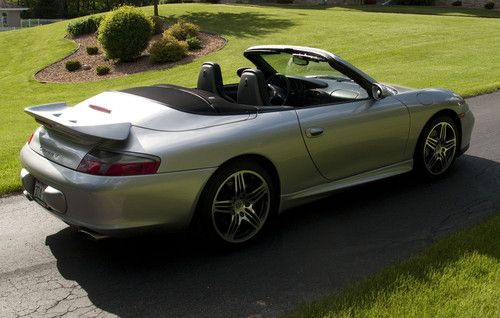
437,147
237,203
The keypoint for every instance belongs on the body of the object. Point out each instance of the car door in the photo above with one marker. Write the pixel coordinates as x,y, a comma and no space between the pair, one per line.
353,137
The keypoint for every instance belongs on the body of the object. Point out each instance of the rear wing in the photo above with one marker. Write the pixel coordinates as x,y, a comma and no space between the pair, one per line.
49,115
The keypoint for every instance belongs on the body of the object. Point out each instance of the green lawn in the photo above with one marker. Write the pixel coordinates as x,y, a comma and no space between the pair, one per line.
457,49
456,277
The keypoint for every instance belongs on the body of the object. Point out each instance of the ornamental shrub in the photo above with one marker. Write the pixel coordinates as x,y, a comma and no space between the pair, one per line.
183,30
167,49
193,43
102,70
92,50
124,33
158,24
457,3
73,65
84,26
489,5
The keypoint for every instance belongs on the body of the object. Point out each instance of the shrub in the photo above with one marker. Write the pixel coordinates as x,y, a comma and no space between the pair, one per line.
168,49
73,65
284,1
92,50
457,3
193,43
489,5
84,26
158,24
124,33
183,30
102,70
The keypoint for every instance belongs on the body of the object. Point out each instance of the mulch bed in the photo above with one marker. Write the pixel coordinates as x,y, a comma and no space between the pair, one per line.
57,72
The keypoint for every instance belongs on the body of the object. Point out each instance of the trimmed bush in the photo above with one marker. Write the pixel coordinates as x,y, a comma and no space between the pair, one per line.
489,5
124,33
457,3
158,24
84,26
193,43
102,70
73,65
92,50
183,30
168,49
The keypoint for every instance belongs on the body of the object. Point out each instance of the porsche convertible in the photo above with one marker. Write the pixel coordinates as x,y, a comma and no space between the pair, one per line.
225,158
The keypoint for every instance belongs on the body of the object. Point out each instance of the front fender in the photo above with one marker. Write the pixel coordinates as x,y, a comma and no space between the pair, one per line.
423,104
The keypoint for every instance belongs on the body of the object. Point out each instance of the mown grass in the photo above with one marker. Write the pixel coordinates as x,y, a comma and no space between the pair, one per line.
457,277
433,48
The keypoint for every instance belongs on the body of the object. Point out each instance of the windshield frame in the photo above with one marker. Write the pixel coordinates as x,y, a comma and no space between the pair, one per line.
254,54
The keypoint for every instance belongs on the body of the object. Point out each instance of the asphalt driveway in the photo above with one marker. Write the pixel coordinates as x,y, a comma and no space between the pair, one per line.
47,269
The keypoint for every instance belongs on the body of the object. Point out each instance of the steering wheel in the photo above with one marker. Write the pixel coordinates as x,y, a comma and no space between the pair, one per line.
279,89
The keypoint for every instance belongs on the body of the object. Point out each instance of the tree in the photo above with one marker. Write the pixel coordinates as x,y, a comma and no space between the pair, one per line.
155,3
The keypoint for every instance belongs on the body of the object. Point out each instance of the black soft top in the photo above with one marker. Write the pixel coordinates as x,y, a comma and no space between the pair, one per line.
196,101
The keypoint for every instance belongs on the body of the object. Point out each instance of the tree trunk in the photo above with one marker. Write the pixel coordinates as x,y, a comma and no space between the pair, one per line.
155,3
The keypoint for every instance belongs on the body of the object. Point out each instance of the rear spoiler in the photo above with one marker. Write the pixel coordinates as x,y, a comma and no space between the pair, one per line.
49,116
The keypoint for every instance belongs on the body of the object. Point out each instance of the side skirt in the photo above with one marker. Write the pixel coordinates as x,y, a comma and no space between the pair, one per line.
290,200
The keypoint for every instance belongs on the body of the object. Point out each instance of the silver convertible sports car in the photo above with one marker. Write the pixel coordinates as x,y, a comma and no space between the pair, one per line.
226,158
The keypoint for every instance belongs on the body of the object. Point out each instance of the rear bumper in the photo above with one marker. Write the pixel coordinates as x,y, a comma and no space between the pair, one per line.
113,205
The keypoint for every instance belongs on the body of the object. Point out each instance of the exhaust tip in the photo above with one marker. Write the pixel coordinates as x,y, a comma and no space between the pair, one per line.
27,195
94,236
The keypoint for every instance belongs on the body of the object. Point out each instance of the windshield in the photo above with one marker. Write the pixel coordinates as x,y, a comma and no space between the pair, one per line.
301,65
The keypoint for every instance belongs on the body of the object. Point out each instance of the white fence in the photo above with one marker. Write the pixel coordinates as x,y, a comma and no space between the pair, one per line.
26,23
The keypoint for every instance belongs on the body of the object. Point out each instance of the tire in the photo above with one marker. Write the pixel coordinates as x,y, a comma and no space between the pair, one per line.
236,204
437,147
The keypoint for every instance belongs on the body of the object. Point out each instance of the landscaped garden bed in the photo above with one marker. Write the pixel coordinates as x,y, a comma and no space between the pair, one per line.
57,72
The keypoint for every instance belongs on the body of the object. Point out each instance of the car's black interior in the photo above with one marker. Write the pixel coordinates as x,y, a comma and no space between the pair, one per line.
255,88
210,80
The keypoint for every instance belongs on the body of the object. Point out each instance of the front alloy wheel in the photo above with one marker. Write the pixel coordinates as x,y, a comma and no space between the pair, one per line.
438,147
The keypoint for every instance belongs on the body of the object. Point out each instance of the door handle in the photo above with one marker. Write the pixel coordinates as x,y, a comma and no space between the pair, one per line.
314,132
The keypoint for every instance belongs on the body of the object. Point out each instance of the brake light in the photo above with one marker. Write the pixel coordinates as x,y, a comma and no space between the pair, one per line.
107,163
30,138
101,109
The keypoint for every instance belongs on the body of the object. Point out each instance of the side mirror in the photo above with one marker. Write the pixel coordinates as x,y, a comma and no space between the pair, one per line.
380,91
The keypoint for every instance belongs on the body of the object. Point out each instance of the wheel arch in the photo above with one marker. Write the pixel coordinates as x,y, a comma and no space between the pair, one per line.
443,112
263,161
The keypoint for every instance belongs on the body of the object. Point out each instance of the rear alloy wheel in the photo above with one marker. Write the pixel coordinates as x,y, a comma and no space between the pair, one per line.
438,147
237,203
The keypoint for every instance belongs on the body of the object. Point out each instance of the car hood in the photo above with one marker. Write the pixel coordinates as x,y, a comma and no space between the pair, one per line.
397,88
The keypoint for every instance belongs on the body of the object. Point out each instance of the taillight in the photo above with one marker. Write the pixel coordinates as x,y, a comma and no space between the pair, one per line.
107,163
30,138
